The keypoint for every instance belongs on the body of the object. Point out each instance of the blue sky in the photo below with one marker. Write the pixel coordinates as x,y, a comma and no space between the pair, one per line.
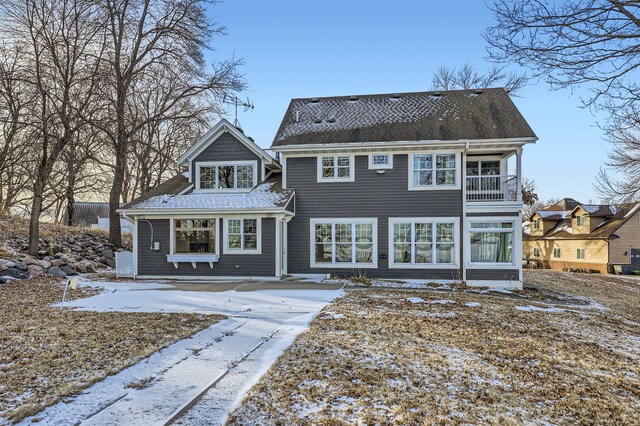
321,48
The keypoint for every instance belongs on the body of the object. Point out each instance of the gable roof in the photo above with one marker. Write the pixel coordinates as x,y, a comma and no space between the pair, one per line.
564,204
224,126
173,186
597,210
419,116
605,230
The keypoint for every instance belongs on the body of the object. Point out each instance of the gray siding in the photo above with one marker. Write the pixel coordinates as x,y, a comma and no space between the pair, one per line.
152,262
493,274
372,195
226,148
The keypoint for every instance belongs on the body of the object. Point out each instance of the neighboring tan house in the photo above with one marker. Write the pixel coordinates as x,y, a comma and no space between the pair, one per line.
409,185
572,235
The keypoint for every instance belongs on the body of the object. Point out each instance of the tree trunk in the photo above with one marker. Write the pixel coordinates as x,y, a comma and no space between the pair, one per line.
34,221
70,194
115,236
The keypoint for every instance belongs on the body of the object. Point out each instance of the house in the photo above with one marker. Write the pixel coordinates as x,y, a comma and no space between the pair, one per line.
572,235
419,185
94,215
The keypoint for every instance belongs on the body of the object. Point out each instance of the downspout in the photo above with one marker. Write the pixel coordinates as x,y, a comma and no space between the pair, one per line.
464,211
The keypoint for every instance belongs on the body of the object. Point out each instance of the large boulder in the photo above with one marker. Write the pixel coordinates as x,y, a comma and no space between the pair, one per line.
15,273
80,267
57,262
56,272
35,270
20,265
30,261
3,280
45,264
6,264
68,270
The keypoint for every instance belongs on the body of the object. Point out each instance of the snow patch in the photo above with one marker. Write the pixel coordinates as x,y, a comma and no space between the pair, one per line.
532,308
472,304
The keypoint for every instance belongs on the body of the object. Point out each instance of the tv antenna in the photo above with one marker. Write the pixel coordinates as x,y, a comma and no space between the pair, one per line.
246,105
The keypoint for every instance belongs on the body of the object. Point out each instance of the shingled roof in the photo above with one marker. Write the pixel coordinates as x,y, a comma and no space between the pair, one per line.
419,116
173,186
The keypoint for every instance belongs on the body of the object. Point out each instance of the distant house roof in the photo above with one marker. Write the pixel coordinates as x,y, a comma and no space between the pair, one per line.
266,195
564,204
419,116
87,213
617,216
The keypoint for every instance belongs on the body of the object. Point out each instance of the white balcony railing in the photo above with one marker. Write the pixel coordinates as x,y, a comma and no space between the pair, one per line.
492,188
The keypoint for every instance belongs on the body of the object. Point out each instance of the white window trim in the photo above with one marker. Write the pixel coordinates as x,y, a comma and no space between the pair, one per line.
200,164
257,250
192,257
433,186
389,165
456,243
333,221
352,168
516,257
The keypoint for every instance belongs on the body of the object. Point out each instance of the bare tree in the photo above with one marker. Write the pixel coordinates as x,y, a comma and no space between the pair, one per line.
467,77
150,38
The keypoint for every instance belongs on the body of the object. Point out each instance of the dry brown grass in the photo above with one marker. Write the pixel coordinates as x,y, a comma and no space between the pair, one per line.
47,353
373,357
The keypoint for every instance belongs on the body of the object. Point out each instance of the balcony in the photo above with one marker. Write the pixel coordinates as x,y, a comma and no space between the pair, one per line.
492,188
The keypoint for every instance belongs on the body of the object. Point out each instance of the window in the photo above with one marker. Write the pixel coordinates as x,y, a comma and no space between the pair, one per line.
423,243
381,161
581,254
556,253
580,221
492,242
335,168
536,252
536,224
429,171
242,236
195,236
227,176
344,243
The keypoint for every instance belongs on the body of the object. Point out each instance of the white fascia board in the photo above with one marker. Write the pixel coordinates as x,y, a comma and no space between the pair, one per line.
400,144
224,126
173,212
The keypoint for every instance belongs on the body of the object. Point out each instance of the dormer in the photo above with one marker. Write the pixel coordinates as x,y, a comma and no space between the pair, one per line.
585,218
540,224
225,160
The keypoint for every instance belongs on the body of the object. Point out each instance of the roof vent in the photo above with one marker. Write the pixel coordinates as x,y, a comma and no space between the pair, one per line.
478,92
353,98
330,120
317,121
436,94
315,100
396,96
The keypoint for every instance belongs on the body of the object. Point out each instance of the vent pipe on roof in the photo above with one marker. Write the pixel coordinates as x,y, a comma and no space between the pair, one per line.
297,116
353,98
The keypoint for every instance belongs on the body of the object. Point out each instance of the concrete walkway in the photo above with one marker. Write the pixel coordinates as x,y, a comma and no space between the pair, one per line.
198,380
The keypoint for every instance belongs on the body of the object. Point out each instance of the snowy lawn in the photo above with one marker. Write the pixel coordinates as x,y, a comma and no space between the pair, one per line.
48,353
427,357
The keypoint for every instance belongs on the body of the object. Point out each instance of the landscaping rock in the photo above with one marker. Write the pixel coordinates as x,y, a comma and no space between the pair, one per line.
35,270
20,265
57,262
80,267
56,272
45,264
30,261
3,280
15,273
68,270
111,263
6,264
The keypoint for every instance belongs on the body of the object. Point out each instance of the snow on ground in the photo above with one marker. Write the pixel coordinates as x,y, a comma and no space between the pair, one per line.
214,367
532,308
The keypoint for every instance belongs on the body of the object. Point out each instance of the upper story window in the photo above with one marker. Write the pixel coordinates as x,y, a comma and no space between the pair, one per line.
433,171
332,168
579,221
224,176
381,161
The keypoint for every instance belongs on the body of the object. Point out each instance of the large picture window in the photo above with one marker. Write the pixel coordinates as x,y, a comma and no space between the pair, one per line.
242,236
344,243
423,242
195,236
492,242
433,171
226,176
335,168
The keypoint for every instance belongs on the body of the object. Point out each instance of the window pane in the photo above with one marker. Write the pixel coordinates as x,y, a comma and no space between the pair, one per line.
495,247
343,232
364,232
422,162
424,253
233,226
472,168
327,161
328,172
422,178
343,161
343,172
401,232
380,159
250,226
445,161
444,253
323,253
402,253
490,168
423,232
323,233
445,233
235,241
225,176
245,177
207,177
445,177
343,252
364,252
195,241
250,242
